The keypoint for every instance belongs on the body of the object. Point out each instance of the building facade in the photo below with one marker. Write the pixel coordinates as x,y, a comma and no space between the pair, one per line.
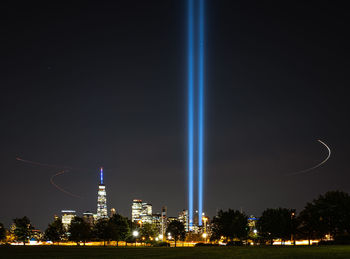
88,217
136,209
67,216
141,211
183,217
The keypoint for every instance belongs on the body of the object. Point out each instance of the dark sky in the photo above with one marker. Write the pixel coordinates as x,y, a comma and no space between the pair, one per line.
104,83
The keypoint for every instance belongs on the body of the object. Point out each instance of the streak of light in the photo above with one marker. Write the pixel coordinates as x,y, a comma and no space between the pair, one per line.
316,166
60,188
41,164
64,170
190,112
201,111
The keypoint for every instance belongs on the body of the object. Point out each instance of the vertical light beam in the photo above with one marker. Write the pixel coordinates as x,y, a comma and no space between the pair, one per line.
190,112
200,110
101,175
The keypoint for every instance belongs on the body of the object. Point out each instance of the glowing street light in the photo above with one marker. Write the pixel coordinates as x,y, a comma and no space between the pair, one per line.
205,235
135,233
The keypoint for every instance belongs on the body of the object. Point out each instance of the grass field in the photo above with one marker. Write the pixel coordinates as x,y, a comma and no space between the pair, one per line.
193,252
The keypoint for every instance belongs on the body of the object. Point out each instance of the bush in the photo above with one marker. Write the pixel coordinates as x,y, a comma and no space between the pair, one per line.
161,244
234,243
341,240
205,244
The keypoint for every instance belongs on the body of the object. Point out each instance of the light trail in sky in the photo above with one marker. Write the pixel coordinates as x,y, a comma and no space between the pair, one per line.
316,166
59,187
64,170
41,164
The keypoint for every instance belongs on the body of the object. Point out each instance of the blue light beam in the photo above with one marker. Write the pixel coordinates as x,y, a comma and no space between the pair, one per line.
190,112
200,110
101,175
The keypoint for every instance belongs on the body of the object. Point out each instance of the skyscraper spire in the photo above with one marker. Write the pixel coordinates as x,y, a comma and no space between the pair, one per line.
101,175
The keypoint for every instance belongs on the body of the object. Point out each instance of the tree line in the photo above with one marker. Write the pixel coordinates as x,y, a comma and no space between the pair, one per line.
117,228
327,215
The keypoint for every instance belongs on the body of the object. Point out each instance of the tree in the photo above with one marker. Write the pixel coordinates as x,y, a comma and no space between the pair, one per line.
177,230
2,232
103,230
328,214
120,228
230,224
23,229
276,223
310,226
55,231
79,230
148,231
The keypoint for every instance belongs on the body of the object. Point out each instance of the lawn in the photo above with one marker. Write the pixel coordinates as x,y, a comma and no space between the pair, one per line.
191,252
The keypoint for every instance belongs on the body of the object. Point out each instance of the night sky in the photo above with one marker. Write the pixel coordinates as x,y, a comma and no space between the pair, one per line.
103,83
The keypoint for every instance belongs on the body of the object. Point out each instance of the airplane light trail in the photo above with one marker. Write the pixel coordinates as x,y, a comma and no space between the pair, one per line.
60,188
64,170
41,164
316,166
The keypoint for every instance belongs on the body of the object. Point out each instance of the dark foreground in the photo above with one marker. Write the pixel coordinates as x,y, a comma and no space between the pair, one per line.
193,252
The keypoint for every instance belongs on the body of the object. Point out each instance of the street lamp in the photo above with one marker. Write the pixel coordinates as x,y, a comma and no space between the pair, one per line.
204,235
135,233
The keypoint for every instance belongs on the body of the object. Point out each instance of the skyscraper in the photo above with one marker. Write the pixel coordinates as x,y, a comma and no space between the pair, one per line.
141,211
183,217
67,216
101,198
88,217
136,210
163,221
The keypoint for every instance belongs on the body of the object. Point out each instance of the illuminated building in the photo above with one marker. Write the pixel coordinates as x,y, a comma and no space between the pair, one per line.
183,217
88,217
170,219
67,216
136,210
195,107
101,199
141,211
146,214
163,221
156,220
252,225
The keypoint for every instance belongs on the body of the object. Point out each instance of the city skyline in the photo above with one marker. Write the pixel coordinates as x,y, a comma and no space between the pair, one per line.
106,84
